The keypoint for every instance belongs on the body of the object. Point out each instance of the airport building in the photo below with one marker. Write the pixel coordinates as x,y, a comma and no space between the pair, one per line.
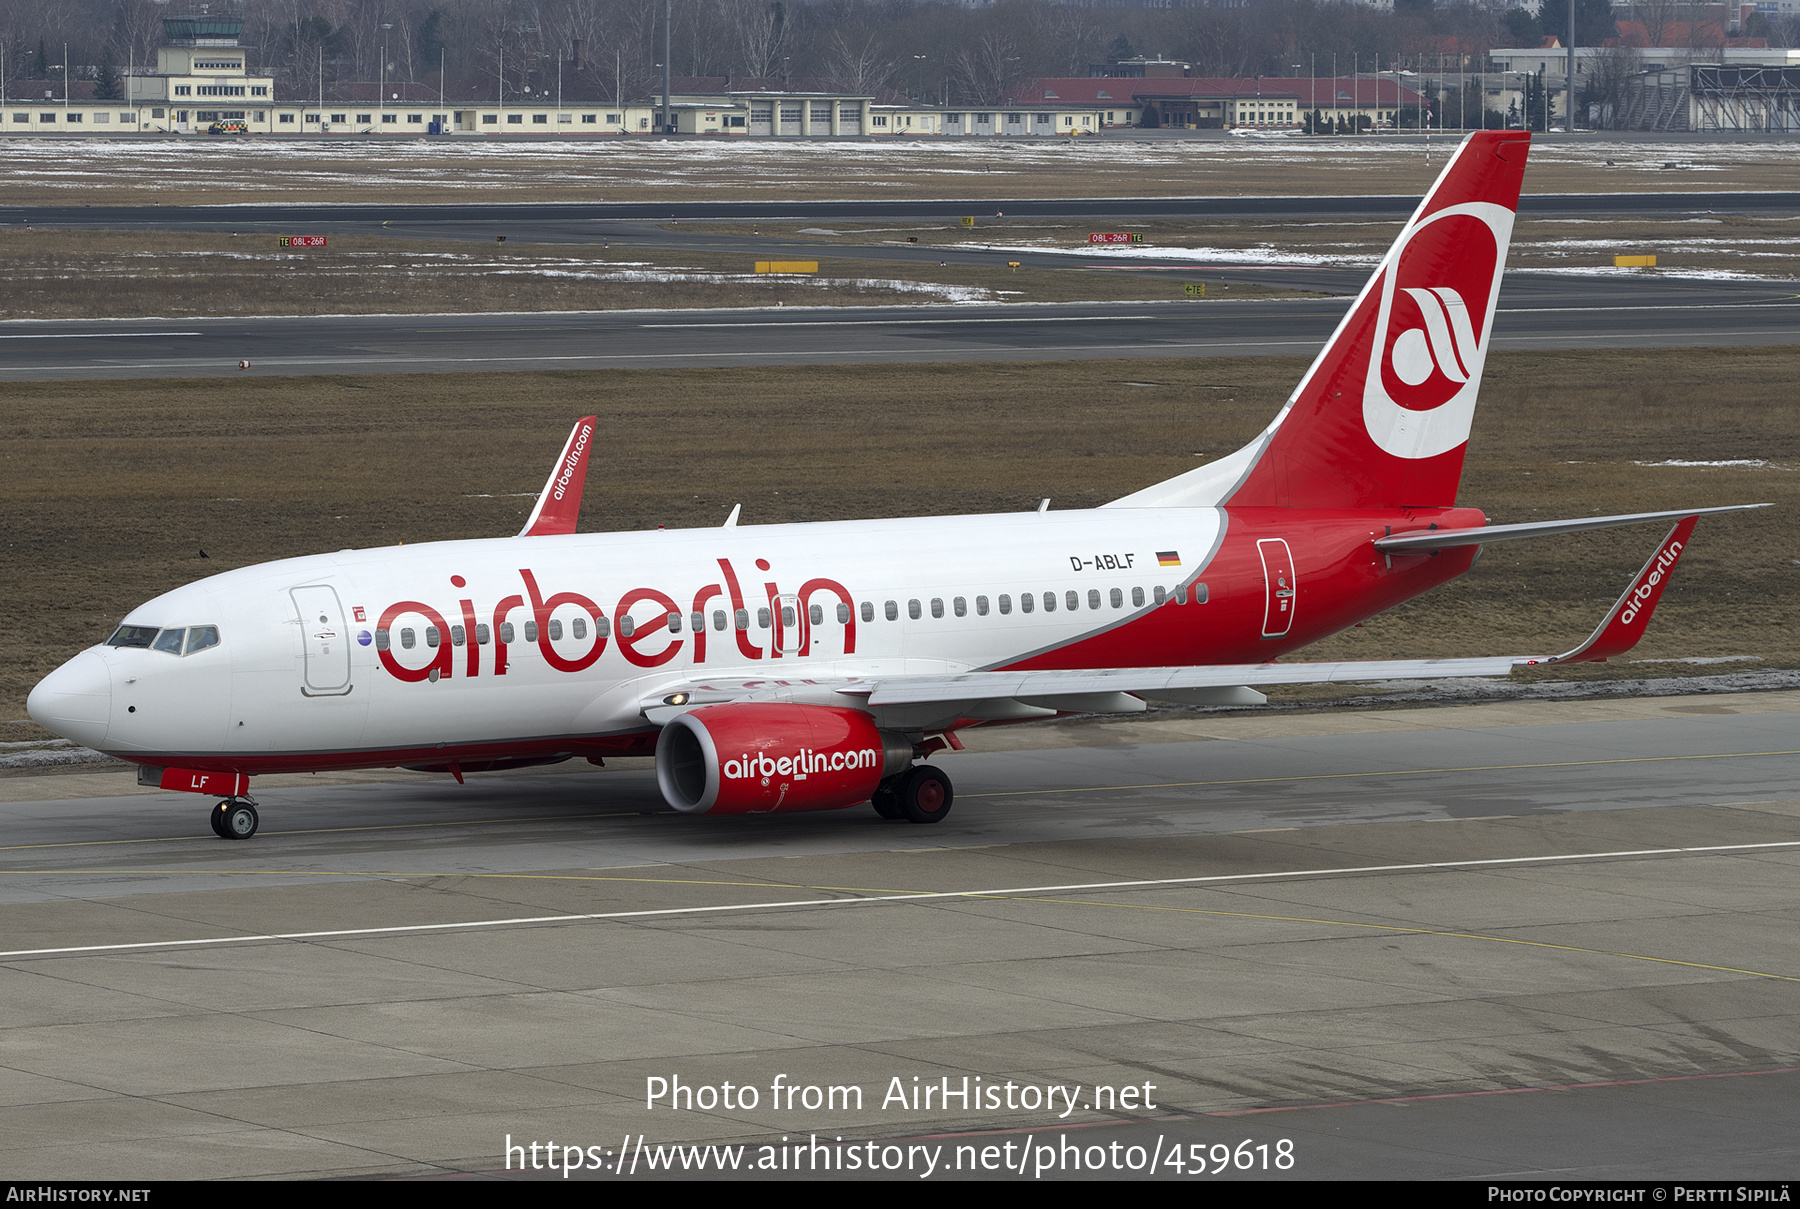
1718,88
203,83
1149,95
1710,97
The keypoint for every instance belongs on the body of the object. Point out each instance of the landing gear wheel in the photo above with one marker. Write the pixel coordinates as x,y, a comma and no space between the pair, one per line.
217,818
925,795
886,800
239,820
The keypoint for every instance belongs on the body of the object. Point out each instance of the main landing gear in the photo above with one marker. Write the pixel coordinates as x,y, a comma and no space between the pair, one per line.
921,794
234,819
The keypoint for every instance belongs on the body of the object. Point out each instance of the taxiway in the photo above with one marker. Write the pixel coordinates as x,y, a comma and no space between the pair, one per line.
1371,920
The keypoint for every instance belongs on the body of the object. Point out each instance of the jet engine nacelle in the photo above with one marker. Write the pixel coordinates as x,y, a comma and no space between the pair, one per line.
761,757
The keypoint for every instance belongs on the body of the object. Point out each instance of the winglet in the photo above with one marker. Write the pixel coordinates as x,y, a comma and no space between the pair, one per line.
559,504
1625,624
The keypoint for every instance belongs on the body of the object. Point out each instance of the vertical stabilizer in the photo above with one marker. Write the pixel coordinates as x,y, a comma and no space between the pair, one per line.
1382,417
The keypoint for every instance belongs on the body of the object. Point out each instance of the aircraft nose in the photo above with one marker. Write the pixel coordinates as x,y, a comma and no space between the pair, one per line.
75,701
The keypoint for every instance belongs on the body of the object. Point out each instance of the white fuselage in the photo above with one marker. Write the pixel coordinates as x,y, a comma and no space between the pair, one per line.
300,669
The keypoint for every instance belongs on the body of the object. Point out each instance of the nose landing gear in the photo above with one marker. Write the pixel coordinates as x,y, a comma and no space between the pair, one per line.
234,819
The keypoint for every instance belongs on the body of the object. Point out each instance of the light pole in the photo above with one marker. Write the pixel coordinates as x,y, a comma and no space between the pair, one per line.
668,37
920,60
381,98
1568,81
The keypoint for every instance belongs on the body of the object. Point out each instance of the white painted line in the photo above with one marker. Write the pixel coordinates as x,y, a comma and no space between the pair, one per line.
878,899
99,335
914,322
998,352
1632,310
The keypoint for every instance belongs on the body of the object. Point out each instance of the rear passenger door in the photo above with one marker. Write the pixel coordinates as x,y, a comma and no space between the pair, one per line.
1279,587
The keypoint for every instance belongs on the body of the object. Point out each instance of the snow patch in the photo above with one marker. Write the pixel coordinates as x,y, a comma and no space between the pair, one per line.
1706,659
1744,463
53,754
1264,254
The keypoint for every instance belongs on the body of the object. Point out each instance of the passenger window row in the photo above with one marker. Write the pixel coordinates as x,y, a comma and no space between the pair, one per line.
179,641
1070,600
577,629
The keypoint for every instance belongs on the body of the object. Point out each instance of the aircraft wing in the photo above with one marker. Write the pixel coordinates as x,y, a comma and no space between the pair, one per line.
943,698
1162,683
1064,690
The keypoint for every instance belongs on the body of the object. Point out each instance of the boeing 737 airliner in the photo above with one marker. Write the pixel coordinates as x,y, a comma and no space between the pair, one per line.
816,666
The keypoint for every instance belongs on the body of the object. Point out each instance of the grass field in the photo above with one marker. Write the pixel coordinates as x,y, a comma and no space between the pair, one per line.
197,171
65,274
54,273
1734,244
111,489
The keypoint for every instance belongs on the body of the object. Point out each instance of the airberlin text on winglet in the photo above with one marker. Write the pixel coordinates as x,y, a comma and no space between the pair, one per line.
572,461
1664,560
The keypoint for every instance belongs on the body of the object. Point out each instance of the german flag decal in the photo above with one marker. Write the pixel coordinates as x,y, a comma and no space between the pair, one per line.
1168,558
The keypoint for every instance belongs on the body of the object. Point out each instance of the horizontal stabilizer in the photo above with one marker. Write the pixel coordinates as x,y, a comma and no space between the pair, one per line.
559,504
1445,539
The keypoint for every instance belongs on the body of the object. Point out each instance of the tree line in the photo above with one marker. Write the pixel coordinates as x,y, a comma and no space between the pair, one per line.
931,50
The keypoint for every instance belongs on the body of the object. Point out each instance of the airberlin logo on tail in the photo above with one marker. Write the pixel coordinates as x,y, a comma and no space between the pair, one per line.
1445,345
1437,290
761,765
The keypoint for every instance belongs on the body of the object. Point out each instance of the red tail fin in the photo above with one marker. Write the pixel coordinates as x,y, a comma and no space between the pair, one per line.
1382,417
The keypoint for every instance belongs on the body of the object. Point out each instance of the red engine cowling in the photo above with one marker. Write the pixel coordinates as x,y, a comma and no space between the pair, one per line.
761,757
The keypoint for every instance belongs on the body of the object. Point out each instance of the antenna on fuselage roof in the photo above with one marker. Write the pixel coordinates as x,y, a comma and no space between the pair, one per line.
731,521
1044,505
559,503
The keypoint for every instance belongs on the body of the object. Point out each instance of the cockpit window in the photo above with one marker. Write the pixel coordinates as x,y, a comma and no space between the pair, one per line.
182,640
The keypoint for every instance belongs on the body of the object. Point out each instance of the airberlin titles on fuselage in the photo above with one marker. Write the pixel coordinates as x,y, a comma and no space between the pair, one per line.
632,640
470,627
